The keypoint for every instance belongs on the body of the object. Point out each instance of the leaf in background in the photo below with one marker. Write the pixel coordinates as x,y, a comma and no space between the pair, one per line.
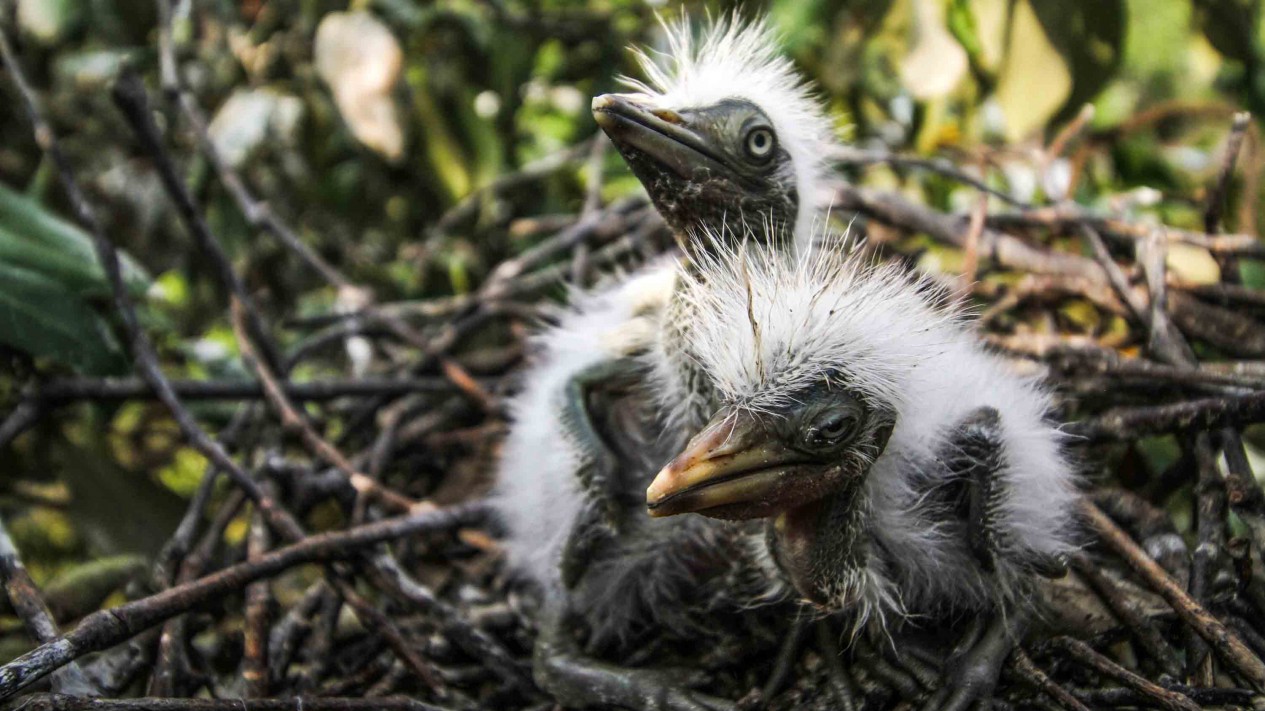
42,317
803,24
936,62
1035,82
35,239
980,27
48,20
1090,38
249,118
1192,265
360,60
80,589
1230,26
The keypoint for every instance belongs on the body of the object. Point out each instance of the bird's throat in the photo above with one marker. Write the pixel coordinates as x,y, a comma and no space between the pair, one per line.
820,544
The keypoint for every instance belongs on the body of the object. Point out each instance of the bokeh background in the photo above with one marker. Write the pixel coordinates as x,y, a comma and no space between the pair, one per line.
415,145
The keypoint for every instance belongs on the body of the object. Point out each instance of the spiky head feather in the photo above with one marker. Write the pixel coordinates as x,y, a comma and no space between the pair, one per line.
733,58
768,325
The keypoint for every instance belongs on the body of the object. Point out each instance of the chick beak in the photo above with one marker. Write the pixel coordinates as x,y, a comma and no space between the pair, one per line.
734,469
661,134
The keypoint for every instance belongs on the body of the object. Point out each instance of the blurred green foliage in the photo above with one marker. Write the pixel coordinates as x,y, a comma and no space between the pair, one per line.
363,122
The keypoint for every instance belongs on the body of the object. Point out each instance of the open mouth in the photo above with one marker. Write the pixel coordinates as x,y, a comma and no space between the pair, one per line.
741,494
731,470
659,134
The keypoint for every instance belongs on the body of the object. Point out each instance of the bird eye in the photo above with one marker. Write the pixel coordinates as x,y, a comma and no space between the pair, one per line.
832,428
760,143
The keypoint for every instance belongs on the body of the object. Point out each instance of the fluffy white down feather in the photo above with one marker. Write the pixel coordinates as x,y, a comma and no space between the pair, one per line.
537,492
768,323
735,59
763,325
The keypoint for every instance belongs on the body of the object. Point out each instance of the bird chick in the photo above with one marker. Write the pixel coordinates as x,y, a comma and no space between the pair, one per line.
861,452
695,108
900,468
723,130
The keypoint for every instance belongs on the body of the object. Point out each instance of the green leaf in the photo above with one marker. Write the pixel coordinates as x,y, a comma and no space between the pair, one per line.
1090,37
37,240
1035,80
1230,26
44,318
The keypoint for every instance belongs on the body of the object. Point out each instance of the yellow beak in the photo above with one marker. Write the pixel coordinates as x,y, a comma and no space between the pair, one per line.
734,469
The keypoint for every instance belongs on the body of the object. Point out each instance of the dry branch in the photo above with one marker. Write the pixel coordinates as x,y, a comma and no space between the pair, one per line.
107,628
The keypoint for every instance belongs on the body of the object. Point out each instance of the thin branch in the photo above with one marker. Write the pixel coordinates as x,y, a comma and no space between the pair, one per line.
142,350
106,628
1221,638
849,155
66,390
59,702
132,99
257,213
295,422
1122,423
1215,203
1154,693
30,607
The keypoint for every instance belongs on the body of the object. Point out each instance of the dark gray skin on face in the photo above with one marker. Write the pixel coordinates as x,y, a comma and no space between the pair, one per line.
802,469
819,544
710,167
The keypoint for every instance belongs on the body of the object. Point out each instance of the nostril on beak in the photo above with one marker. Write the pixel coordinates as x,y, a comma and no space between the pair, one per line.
669,116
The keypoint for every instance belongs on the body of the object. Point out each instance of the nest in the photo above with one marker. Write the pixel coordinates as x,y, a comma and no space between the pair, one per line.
370,576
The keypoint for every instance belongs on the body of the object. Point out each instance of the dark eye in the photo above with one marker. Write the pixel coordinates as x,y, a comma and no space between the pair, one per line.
759,143
832,428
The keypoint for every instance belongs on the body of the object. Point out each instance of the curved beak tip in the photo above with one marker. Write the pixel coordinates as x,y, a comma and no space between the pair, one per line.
601,103
661,487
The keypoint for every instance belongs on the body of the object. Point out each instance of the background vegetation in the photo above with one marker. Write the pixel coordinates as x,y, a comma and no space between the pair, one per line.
415,146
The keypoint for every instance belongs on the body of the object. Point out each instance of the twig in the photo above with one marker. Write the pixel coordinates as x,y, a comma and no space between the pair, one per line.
64,390
1243,492
386,571
1031,673
377,621
1224,641
1228,330
1117,278
1007,250
109,627
130,96
849,155
1067,218
1219,697
171,663
142,350
255,636
25,598
290,630
257,213
1123,423
1163,340
1215,202
58,702
1153,692
1125,608
1210,510
294,422
21,419
468,206
1149,525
